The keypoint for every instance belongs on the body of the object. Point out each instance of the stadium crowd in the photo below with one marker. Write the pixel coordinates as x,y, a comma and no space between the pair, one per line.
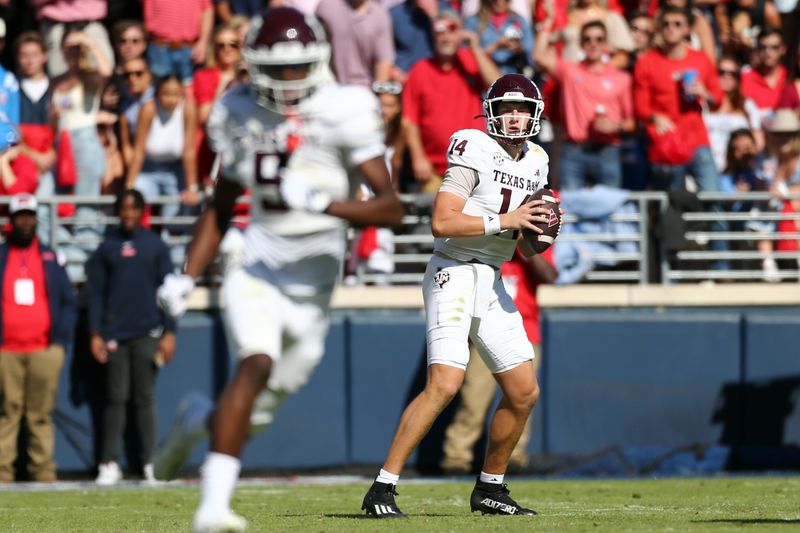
98,96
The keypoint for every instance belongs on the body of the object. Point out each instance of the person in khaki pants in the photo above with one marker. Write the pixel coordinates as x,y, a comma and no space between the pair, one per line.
37,319
521,277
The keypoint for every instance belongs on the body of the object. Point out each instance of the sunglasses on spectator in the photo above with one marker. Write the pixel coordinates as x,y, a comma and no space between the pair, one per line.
134,74
233,45
588,39
387,87
640,29
131,40
726,72
441,26
673,23
772,47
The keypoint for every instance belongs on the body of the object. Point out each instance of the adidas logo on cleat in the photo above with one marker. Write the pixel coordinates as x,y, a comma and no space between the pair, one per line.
384,509
493,498
500,506
379,502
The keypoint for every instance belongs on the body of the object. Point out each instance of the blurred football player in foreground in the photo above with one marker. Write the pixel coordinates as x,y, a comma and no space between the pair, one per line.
482,205
301,144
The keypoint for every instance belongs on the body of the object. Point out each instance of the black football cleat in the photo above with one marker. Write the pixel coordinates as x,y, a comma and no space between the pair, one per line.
379,501
493,498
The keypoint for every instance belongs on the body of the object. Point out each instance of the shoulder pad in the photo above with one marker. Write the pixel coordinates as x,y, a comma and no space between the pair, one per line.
537,151
470,148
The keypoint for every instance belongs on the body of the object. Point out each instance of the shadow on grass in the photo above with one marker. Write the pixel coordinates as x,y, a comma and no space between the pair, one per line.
744,521
365,516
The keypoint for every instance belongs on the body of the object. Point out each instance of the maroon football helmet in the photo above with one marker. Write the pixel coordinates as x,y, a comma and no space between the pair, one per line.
513,88
284,37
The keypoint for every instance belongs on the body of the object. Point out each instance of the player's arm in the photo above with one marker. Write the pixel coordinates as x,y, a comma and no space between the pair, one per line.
449,220
211,227
383,209
208,232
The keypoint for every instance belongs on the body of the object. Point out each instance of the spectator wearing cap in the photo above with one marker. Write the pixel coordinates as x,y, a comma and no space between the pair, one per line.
56,17
9,88
37,320
128,331
443,94
180,31
360,32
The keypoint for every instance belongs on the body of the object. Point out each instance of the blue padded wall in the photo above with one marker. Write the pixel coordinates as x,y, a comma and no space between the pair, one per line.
635,379
387,353
771,393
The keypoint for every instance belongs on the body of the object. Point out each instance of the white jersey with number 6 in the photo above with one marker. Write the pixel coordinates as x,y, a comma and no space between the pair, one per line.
503,185
334,131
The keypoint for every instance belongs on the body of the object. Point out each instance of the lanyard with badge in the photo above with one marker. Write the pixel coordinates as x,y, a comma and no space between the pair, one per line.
23,286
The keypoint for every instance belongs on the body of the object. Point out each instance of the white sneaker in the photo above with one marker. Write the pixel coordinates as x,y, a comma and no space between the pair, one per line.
148,475
770,270
191,425
229,522
108,474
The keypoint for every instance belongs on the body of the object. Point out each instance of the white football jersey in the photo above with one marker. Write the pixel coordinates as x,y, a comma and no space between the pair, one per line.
503,185
335,130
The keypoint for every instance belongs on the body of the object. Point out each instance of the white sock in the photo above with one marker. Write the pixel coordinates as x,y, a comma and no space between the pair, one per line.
220,473
387,477
491,478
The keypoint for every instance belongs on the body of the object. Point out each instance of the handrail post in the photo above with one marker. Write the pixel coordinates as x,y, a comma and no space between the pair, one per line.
644,246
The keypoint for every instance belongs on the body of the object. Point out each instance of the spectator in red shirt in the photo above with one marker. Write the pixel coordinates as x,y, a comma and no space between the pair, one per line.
442,95
37,320
790,98
596,107
672,84
18,172
521,277
179,34
209,83
763,83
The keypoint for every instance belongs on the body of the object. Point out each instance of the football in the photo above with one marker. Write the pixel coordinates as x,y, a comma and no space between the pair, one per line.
539,242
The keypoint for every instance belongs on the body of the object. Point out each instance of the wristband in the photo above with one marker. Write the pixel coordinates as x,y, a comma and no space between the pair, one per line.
491,224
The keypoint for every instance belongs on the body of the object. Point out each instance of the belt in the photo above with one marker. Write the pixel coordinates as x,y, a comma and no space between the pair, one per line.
173,45
442,255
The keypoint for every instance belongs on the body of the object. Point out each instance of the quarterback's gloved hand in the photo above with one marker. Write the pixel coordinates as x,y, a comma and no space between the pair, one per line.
298,193
171,295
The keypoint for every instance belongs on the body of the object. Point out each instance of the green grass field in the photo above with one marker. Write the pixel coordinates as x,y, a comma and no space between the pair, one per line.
718,504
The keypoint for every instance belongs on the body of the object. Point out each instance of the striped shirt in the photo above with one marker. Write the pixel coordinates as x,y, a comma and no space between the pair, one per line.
174,20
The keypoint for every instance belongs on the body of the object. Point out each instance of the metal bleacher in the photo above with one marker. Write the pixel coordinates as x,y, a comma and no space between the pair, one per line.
413,242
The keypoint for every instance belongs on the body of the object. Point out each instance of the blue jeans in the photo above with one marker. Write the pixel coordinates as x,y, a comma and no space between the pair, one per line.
164,60
702,168
161,179
579,162
90,165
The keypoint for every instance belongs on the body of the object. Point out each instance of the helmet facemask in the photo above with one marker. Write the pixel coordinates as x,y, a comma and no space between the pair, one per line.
514,128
